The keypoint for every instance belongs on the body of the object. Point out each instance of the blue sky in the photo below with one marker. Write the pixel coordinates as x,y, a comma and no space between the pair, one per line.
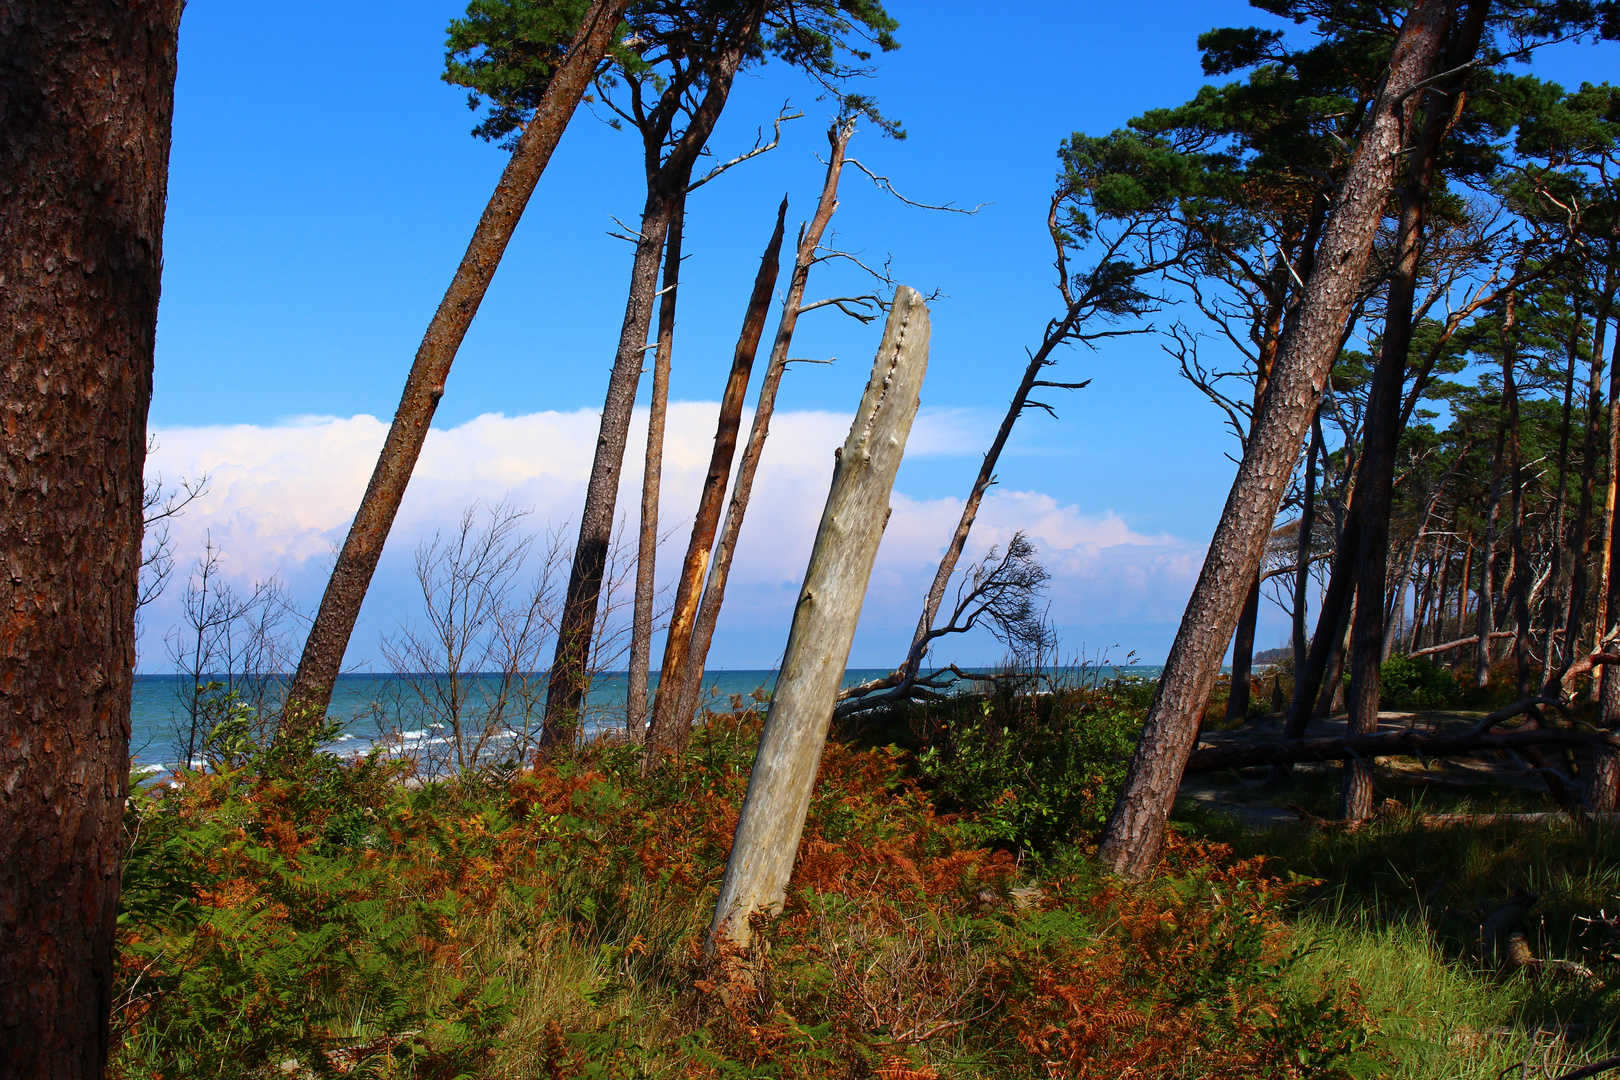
324,185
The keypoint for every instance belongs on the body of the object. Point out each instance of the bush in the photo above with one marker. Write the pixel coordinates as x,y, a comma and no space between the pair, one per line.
1416,684
1028,771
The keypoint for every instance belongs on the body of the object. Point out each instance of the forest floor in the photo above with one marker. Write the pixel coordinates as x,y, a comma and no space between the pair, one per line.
1479,941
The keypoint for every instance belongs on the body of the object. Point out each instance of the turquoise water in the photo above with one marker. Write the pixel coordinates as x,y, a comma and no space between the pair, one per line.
371,704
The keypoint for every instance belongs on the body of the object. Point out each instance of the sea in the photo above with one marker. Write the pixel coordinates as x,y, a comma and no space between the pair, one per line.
378,708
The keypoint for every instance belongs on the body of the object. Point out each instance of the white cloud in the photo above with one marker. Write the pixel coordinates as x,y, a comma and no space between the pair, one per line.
280,497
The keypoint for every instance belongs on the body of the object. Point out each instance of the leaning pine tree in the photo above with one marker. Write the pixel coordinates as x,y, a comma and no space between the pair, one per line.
1134,834
559,74
674,93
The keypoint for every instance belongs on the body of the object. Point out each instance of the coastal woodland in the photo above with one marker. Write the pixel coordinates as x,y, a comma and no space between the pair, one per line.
1380,245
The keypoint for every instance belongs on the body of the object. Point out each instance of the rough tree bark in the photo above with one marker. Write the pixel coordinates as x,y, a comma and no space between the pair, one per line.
322,660
652,475
1134,834
714,589
668,731
569,679
772,818
87,93
1383,427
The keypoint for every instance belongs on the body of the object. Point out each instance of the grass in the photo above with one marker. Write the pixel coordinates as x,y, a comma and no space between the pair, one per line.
1396,907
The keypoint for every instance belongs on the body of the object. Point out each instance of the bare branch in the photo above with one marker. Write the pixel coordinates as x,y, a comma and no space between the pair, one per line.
758,149
885,183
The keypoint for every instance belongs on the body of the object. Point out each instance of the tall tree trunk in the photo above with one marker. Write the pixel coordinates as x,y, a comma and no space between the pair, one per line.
1134,834
779,786
652,475
1237,702
1520,575
714,589
88,92
1302,556
1374,488
1330,624
1581,543
1486,604
1550,607
328,640
570,676
668,731
1606,609
1463,584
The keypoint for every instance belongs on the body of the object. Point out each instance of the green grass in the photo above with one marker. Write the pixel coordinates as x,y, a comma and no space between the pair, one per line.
1393,909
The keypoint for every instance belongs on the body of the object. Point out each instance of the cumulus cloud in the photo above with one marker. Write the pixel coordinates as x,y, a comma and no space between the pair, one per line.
280,497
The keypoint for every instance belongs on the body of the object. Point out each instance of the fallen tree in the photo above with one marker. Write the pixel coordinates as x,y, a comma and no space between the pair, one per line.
1412,742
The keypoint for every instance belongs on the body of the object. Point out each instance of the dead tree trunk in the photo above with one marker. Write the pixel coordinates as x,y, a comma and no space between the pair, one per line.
714,589
669,728
328,640
84,163
1374,489
829,605
1134,834
652,475
570,676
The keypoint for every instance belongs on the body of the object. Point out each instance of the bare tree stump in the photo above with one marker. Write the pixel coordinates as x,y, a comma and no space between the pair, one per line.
829,606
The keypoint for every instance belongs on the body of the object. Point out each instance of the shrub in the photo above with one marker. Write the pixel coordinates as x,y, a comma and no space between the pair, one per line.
1416,684
1028,772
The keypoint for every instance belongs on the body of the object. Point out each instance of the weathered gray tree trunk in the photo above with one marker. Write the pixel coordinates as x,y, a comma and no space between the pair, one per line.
652,475
87,96
328,640
829,606
667,181
668,731
714,589
1134,835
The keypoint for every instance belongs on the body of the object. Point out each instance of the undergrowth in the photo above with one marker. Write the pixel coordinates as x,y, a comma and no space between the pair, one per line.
308,916
333,920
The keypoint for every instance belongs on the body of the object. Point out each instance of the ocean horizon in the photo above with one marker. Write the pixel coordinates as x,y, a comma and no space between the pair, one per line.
373,704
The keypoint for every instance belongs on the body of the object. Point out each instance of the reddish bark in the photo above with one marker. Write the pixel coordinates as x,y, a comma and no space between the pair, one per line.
714,590
87,93
668,732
